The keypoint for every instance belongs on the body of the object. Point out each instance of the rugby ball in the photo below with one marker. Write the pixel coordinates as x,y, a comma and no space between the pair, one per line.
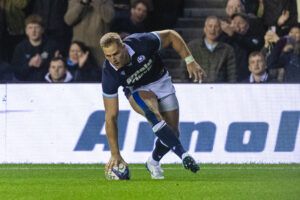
120,172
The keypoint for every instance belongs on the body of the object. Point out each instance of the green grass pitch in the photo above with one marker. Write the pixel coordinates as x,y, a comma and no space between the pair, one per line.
82,182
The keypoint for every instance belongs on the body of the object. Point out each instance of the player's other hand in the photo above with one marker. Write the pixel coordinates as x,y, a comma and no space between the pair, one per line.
196,72
114,161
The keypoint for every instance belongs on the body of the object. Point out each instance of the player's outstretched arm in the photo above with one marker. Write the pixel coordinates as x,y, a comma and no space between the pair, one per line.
171,37
111,106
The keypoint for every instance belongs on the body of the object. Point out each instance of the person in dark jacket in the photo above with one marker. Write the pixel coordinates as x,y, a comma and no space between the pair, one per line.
58,72
81,64
31,57
216,58
244,40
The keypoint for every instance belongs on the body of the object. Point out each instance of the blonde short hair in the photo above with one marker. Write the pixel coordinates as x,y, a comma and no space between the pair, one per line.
110,38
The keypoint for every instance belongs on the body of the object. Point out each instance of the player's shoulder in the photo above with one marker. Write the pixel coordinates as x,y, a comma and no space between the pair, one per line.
141,37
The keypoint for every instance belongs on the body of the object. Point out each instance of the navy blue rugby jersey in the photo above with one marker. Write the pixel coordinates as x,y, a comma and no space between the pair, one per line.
145,66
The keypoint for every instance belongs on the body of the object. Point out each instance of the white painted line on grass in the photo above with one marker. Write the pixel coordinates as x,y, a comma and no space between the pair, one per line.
143,168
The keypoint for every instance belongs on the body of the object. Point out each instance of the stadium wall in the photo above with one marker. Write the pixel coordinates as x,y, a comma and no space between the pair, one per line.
228,123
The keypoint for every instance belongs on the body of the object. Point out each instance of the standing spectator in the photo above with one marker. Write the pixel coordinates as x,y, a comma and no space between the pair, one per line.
244,40
232,7
58,72
133,23
258,68
90,19
14,14
81,64
280,13
216,58
31,57
52,13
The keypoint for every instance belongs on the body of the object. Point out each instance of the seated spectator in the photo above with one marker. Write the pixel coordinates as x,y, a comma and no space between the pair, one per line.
90,19
133,23
215,57
258,68
58,72
81,64
31,57
280,13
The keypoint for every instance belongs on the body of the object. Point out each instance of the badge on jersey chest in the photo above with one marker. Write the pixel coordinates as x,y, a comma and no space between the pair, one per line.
141,58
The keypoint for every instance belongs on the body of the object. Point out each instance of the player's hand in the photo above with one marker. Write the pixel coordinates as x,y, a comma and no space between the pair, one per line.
114,161
196,72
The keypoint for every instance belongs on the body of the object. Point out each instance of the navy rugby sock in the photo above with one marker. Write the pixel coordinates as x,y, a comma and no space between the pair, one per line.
167,136
159,151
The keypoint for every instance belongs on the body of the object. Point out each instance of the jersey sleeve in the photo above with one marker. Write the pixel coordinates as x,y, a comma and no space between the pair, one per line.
156,39
110,84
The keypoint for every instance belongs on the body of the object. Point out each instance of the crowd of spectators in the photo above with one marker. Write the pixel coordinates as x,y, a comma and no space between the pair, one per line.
258,41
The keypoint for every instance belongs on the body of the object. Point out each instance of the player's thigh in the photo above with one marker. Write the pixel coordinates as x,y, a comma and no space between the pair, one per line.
148,102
